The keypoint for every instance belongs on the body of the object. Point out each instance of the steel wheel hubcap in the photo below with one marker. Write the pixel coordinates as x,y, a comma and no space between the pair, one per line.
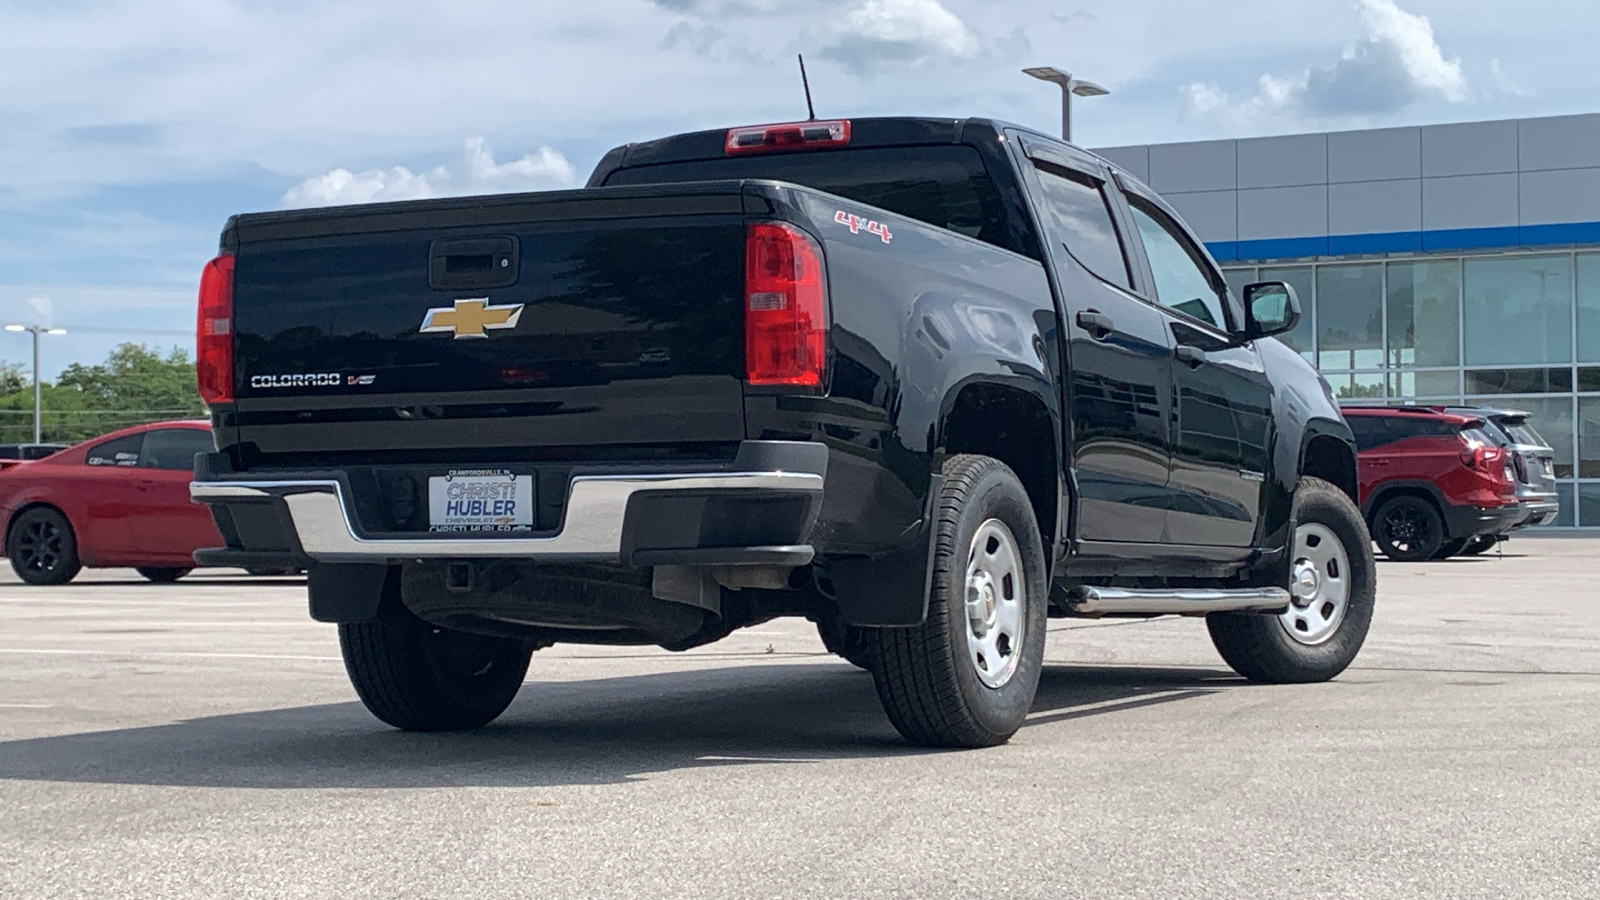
1319,585
995,599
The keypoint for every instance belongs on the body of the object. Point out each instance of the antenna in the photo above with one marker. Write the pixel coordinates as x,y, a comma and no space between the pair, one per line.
811,113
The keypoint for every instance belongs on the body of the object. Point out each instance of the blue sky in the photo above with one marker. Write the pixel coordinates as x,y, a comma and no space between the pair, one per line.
133,130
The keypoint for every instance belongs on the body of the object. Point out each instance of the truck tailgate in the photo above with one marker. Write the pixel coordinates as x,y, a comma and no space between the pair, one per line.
496,325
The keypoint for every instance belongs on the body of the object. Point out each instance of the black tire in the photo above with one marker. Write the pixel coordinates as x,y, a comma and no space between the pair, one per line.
420,677
1408,528
1451,548
162,574
42,547
853,644
1481,544
926,676
1259,646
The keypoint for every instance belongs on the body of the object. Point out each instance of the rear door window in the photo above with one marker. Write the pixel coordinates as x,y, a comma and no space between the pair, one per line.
1082,213
123,452
1369,431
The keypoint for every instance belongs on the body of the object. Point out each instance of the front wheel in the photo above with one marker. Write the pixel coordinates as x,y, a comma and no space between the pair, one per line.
966,677
1333,585
420,677
42,547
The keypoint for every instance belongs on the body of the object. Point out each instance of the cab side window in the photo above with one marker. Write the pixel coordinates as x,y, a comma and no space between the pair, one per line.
1183,280
1078,204
174,448
124,451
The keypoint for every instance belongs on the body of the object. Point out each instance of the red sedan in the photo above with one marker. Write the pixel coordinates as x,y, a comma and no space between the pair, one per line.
121,499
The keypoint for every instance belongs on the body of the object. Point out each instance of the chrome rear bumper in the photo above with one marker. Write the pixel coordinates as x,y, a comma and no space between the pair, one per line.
637,519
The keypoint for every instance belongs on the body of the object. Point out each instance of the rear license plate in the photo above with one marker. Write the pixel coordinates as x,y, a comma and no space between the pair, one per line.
480,500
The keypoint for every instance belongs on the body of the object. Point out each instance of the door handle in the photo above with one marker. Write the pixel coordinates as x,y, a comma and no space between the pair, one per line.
1098,324
1192,356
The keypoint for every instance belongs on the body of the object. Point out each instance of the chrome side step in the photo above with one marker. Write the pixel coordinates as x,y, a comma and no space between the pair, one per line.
1098,601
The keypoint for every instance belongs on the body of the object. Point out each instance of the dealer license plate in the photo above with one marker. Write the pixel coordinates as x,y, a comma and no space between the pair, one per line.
480,500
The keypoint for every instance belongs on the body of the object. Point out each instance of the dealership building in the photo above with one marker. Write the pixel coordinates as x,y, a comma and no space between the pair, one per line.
1435,264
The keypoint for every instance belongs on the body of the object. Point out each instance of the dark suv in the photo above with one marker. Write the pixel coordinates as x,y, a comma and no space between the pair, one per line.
1431,481
1532,459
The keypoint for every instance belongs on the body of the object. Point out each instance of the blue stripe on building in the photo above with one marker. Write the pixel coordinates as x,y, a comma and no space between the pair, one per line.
1512,237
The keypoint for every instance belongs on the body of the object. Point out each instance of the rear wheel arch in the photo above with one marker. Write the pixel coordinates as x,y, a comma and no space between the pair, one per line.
5,539
1016,427
1384,493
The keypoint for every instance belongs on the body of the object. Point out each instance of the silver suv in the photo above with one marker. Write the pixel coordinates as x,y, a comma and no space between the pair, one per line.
1533,461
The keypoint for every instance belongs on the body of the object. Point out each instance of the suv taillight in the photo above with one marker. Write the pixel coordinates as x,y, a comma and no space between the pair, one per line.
785,311
1489,460
213,338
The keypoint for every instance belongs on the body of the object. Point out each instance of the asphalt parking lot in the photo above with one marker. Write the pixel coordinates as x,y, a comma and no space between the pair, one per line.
201,740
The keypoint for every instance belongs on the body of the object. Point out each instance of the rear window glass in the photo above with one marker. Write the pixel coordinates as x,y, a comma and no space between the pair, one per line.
946,186
1476,437
1523,433
124,451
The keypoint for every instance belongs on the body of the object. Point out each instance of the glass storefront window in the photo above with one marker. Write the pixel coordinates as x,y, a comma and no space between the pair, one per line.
1356,385
1237,279
1589,504
1350,316
1519,381
1424,307
1550,416
1442,385
1588,439
1567,517
1589,307
1299,278
1517,309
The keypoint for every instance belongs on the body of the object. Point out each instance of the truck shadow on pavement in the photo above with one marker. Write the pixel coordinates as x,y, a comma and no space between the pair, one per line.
588,732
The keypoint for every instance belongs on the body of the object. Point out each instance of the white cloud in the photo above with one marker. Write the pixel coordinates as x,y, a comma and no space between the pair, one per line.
919,23
1503,82
900,31
1398,62
475,172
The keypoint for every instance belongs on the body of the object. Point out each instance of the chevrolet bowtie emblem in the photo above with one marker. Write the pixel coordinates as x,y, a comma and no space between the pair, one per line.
471,318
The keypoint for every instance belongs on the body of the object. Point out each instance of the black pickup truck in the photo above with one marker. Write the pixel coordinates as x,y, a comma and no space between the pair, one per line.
925,382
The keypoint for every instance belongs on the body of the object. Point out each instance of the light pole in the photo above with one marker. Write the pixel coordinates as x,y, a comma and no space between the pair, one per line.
36,330
1069,86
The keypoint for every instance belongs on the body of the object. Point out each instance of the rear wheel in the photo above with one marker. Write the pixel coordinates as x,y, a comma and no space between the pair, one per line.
1483,543
1408,528
42,547
421,677
1451,548
1332,589
966,677
162,574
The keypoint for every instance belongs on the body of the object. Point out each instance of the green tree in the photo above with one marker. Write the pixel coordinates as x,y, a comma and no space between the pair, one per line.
135,384
137,379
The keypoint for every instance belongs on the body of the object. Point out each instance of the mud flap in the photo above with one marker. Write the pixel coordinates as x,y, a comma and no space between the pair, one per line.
890,590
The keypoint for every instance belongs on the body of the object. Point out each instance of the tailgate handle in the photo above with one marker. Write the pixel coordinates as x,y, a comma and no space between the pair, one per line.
473,263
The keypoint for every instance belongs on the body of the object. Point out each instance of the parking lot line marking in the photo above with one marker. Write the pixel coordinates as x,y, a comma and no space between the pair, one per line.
177,653
26,705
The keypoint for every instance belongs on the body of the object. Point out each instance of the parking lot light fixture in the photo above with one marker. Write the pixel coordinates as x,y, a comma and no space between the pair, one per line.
1069,86
36,330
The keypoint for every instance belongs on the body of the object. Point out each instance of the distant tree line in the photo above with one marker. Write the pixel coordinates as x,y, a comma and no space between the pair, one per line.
135,384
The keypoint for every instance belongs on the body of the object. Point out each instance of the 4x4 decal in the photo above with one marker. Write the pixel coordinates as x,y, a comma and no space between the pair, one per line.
856,224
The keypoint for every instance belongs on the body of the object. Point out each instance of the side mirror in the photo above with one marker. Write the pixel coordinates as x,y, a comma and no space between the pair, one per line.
1270,307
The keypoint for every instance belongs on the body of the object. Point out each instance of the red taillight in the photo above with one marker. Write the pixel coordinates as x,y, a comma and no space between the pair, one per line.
785,317
213,338
789,136
1485,459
